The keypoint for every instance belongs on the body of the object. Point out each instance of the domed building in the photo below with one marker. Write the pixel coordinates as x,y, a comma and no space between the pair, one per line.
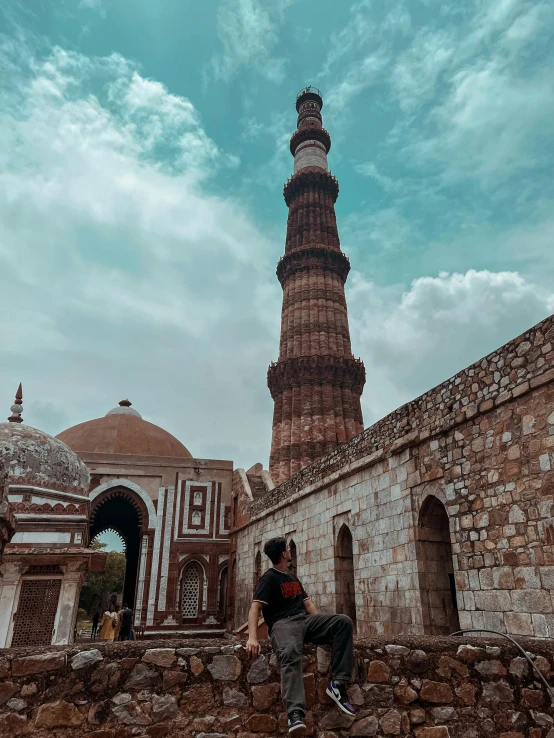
172,512
122,473
46,561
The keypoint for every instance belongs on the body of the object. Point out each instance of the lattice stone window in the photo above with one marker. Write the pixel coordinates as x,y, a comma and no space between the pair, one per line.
191,591
198,498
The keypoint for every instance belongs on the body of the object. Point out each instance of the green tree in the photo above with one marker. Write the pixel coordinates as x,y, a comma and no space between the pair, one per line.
99,586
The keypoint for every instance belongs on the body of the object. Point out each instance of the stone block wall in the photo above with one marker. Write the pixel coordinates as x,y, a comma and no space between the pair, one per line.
416,688
449,500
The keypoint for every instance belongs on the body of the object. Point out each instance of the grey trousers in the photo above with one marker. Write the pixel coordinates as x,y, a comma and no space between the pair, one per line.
288,637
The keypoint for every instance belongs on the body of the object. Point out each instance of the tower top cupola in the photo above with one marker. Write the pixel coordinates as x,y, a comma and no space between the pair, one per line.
310,143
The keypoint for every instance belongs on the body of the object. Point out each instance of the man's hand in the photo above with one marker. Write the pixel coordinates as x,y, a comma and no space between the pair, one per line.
253,648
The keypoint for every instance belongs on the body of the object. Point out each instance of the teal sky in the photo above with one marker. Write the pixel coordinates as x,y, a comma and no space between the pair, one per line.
143,150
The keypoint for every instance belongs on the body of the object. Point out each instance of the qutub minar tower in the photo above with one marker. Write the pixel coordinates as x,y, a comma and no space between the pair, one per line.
317,383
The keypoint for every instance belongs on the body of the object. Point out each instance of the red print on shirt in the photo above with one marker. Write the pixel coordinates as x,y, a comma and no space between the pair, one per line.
290,589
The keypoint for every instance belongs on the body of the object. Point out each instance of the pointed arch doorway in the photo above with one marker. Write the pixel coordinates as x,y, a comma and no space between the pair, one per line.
122,511
436,570
344,574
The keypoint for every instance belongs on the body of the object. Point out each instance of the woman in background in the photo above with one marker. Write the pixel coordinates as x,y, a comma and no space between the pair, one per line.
109,624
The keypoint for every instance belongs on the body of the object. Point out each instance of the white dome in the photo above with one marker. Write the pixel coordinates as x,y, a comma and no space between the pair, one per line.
33,457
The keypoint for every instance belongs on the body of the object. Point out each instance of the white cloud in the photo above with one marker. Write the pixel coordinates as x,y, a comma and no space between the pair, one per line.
361,75
96,5
369,169
491,124
120,272
414,340
249,32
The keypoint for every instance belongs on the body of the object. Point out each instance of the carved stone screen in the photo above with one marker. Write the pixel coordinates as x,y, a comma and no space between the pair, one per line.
191,591
36,612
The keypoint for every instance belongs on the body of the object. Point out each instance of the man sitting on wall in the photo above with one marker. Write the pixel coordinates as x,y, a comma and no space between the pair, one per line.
292,620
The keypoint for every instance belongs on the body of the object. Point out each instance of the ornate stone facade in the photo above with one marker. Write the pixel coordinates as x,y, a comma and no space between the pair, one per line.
46,561
316,384
171,510
118,473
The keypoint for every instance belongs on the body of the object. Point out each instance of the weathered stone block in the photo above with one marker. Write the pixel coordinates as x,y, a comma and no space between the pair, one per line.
436,732
391,723
259,672
491,668
12,725
60,714
7,691
196,666
438,692
164,707
417,661
234,698
225,668
143,678
261,723
378,672
264,696
171,678
85,658
365,727
335,721
131,713
404,694
497,692
38,664
160,657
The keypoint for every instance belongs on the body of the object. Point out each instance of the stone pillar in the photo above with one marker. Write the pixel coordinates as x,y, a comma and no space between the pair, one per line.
141,580
69,602
9,583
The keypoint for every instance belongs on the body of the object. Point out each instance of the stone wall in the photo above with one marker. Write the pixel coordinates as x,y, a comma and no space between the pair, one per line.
422,688
449,500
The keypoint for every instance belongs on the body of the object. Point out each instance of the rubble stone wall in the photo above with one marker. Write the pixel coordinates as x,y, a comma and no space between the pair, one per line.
480,448
418,687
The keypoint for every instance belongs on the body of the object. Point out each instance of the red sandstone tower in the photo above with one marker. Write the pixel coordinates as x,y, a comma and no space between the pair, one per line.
317,383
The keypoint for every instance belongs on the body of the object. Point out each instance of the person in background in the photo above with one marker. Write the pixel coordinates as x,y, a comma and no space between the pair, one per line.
125,623
117,623
292,620
95,621
109,624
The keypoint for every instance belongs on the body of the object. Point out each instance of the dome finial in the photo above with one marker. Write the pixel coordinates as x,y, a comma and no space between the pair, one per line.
125,403
17,407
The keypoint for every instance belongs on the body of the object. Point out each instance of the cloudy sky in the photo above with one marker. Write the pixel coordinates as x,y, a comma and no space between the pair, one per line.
143,150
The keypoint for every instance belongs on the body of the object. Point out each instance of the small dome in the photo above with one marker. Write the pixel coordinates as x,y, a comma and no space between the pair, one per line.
124,408
123,431
33,457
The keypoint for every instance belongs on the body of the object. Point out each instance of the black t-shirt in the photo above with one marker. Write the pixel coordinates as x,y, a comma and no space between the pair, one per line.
126,618
281,595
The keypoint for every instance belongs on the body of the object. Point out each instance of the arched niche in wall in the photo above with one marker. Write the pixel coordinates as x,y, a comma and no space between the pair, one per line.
257,569
344,574
435,569
193,586
222,592
293,557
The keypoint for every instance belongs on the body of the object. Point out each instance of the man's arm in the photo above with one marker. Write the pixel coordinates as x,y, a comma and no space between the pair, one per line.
252,646
310,607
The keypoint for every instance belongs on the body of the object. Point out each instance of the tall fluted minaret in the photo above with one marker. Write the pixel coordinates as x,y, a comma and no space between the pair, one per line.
316,384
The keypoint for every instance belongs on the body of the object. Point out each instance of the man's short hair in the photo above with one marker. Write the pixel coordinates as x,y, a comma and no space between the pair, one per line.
275,548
